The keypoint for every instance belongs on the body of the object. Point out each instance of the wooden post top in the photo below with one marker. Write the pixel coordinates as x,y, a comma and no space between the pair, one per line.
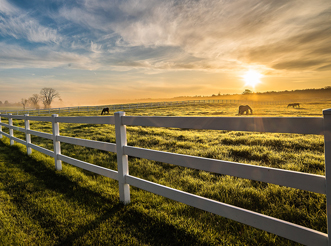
327,111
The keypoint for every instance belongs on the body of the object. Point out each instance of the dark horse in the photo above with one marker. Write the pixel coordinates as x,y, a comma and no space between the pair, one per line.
294,105
104,111
245,109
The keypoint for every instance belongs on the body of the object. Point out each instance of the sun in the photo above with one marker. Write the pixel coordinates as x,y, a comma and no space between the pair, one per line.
252,78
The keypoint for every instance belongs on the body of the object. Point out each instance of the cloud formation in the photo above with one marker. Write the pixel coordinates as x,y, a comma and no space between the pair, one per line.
19,25
176,34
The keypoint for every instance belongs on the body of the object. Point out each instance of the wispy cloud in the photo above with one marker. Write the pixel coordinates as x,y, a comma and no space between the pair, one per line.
14,56
207,34
17,24
216,31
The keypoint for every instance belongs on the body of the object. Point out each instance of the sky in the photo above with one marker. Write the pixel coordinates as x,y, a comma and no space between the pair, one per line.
98,52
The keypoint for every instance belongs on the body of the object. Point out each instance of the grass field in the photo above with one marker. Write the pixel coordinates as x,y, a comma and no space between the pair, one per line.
41,206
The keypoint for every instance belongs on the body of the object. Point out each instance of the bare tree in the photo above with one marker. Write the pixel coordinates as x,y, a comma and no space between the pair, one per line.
47,96
34,100
24,102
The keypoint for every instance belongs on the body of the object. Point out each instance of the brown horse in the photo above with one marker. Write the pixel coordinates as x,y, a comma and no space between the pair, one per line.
245,108
294,105
104,111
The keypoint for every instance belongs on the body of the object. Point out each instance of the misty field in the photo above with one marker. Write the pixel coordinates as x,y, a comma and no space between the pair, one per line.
41,206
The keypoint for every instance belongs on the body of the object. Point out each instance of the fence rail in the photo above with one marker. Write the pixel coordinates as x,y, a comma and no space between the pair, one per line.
304,181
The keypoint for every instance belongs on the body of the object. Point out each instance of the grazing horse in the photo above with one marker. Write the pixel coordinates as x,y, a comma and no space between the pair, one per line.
245,108
294,105
104,111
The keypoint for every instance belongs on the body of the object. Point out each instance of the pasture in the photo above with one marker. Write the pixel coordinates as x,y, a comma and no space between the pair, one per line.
42,206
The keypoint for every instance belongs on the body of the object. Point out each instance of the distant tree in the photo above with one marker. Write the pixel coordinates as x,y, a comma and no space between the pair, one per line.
6,103
47,96
247,91
327,87
0,103
34,100
24,102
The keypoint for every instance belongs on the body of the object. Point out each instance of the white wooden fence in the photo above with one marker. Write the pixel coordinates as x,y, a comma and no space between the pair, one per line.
304,181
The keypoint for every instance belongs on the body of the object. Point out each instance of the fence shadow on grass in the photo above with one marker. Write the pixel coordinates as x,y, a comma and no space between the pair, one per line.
42,178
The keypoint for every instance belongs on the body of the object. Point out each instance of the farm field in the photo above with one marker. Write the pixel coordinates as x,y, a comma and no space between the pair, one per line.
41,206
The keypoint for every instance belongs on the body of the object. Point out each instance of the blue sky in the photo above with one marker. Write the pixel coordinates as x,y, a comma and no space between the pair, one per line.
98,52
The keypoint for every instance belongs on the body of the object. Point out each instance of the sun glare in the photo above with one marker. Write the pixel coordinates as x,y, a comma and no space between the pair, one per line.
252,78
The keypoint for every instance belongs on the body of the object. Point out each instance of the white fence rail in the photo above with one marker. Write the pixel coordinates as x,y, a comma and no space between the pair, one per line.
304,181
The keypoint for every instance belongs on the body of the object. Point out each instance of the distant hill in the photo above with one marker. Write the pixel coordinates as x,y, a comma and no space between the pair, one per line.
310,94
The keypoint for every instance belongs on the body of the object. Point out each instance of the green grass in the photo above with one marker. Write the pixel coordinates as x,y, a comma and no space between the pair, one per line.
41,206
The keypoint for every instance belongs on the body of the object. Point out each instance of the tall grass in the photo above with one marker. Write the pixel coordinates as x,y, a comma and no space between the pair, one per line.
41,206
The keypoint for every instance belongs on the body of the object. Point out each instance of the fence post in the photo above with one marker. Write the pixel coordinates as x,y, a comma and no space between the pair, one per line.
122,160
327,153
11,130
27,135
56,144
0,127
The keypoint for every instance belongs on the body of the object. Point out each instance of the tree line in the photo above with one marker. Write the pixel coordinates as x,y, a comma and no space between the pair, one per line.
46,97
